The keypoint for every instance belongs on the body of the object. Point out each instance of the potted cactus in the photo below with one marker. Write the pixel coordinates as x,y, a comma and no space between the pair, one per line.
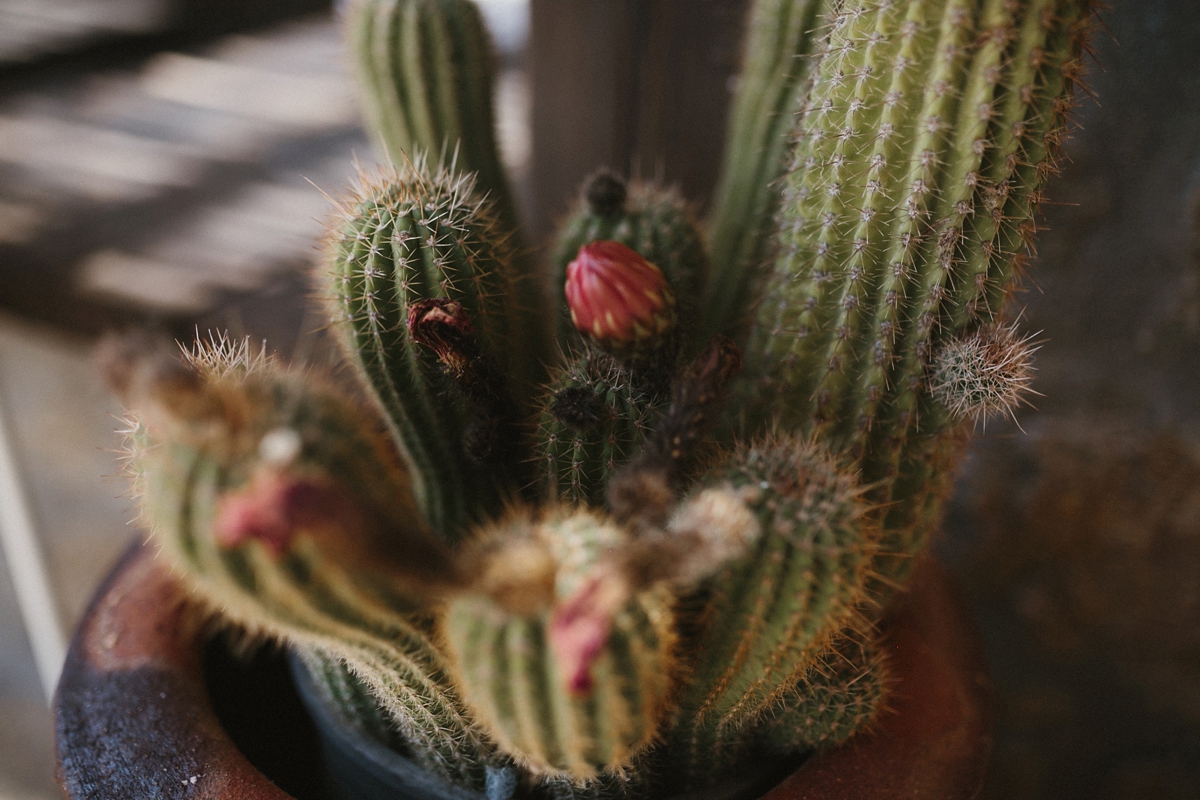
624,536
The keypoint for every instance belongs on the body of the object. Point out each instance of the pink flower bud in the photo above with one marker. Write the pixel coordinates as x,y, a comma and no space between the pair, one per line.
617,298
580,627
275,505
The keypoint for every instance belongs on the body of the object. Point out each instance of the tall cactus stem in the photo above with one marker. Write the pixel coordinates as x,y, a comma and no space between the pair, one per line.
920,157
782,38
428,74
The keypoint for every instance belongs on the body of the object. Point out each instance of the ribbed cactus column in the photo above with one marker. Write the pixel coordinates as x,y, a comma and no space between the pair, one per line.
841,691
770,613
920,157
560,705
412,236
427,73
783,37
513,683
840,694
427,76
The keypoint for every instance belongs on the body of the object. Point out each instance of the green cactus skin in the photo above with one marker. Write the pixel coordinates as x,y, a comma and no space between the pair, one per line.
513,679
839,695
510,679
593,419
332,605
781,39
344,691
408,237
427,76
331,619
921,153
768,615
653,221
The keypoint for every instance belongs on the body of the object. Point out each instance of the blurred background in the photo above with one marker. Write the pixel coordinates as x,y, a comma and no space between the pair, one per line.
163,163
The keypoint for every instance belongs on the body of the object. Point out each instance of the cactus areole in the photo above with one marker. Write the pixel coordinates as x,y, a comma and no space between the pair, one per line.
624,570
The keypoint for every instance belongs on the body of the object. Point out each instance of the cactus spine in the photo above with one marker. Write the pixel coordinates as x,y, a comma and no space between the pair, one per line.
984,374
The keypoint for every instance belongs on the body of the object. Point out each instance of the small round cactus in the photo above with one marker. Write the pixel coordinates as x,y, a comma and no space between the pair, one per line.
982,375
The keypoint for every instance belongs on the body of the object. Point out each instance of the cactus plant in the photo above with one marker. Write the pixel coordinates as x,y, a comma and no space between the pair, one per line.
615,581
649,219
783,37
592,419
920,158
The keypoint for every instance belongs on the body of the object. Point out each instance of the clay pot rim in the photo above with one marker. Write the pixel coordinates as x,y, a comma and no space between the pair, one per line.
406,779
132,712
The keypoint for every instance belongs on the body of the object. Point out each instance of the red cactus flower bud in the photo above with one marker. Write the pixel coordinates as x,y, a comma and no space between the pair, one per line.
618,299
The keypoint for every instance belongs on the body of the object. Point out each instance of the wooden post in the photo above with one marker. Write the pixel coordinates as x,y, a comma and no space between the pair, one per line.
641,86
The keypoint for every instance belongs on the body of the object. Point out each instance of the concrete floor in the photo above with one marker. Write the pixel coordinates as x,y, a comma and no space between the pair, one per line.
160,189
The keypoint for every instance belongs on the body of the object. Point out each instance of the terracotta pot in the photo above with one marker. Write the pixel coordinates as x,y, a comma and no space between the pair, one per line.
136,718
